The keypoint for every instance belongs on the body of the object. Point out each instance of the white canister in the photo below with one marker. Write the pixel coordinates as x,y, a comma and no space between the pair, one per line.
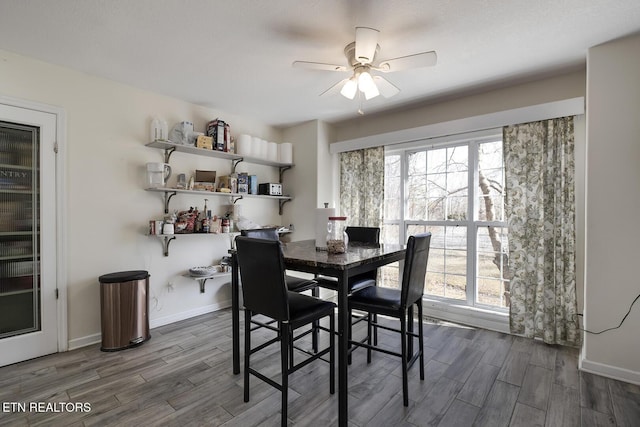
272,152
264,148
255,146
158,130
168,228
285,153
244,145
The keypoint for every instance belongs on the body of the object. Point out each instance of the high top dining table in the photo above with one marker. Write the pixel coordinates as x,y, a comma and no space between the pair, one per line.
303,256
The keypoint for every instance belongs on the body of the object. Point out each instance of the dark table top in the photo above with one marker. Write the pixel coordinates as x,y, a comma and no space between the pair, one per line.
303,255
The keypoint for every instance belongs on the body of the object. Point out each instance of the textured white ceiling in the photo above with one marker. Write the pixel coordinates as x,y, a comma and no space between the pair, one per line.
236,55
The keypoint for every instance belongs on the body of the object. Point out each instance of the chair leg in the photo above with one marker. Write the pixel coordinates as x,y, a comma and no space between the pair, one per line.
421,338
315,330
349,337
247,352
375,330
284,352
403,344
410,329
332,353
290,350
369,330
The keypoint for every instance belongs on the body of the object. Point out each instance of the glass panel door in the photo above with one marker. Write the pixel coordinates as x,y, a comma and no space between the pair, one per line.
20,311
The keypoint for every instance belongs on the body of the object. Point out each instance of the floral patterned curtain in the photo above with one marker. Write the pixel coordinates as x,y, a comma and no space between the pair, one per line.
540,209
362,186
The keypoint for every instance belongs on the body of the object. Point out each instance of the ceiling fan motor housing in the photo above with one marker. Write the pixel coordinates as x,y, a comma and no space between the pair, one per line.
350,53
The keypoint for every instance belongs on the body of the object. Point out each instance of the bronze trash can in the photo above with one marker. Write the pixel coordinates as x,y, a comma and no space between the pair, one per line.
124,309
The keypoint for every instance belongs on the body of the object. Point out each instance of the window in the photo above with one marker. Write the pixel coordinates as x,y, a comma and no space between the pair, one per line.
454,189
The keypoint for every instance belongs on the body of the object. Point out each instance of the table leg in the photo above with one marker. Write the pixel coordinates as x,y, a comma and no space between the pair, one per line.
235,313
343,344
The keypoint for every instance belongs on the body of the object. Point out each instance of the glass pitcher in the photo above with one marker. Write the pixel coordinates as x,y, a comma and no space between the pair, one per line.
337,239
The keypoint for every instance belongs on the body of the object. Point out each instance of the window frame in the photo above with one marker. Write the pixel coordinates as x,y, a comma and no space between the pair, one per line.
472,222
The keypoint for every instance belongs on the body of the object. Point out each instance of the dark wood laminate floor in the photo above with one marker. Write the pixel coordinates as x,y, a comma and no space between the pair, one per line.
182,377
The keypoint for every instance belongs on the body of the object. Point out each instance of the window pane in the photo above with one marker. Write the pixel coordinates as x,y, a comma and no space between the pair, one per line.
456,287
490,182
435,209
458,159
417,165
392,187
392,166
389,276
391,234
435,284
437,160
437,185
491,292
492,265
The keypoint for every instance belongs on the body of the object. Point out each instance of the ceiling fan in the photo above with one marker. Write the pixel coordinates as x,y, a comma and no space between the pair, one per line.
361,57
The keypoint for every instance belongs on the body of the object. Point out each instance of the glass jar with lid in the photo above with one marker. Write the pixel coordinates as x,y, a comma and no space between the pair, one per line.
337,239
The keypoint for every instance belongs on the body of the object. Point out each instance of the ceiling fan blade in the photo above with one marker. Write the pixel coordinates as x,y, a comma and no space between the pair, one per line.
418,60
386,88
335,89
366,44
318,66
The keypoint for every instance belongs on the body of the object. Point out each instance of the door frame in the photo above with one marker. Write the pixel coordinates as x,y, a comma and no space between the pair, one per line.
60,201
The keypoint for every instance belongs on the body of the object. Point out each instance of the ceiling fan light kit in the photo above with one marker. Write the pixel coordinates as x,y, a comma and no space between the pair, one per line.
361,58
349,89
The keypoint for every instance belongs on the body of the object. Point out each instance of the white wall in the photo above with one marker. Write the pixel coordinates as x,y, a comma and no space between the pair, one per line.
107,209
613,206
313,178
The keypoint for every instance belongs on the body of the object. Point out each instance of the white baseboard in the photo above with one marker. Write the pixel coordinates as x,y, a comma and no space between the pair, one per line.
466,315
84,341
153,323
609,371
183,315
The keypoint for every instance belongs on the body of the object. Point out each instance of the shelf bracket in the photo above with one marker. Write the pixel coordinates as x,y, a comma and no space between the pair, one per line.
235,199
165,244
167,153
235,163
281,204
282,169
202,282
167,199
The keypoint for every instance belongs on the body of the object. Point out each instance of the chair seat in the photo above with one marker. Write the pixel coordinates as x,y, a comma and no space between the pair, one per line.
304,309
298,284
355,283
376,299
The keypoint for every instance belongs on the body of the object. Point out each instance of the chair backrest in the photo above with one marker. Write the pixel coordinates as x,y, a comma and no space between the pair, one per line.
262,274
363,234
261,233
415,268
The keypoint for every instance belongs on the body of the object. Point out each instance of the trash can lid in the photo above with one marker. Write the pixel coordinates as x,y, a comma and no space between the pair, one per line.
123,276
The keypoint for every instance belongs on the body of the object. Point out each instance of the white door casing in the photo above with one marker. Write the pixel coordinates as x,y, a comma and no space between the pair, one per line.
49,339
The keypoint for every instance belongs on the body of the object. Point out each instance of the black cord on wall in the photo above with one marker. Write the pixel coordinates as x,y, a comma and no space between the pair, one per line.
615,327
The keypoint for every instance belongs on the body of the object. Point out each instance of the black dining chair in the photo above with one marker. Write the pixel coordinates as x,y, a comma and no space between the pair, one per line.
265,292
295,284
398,303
